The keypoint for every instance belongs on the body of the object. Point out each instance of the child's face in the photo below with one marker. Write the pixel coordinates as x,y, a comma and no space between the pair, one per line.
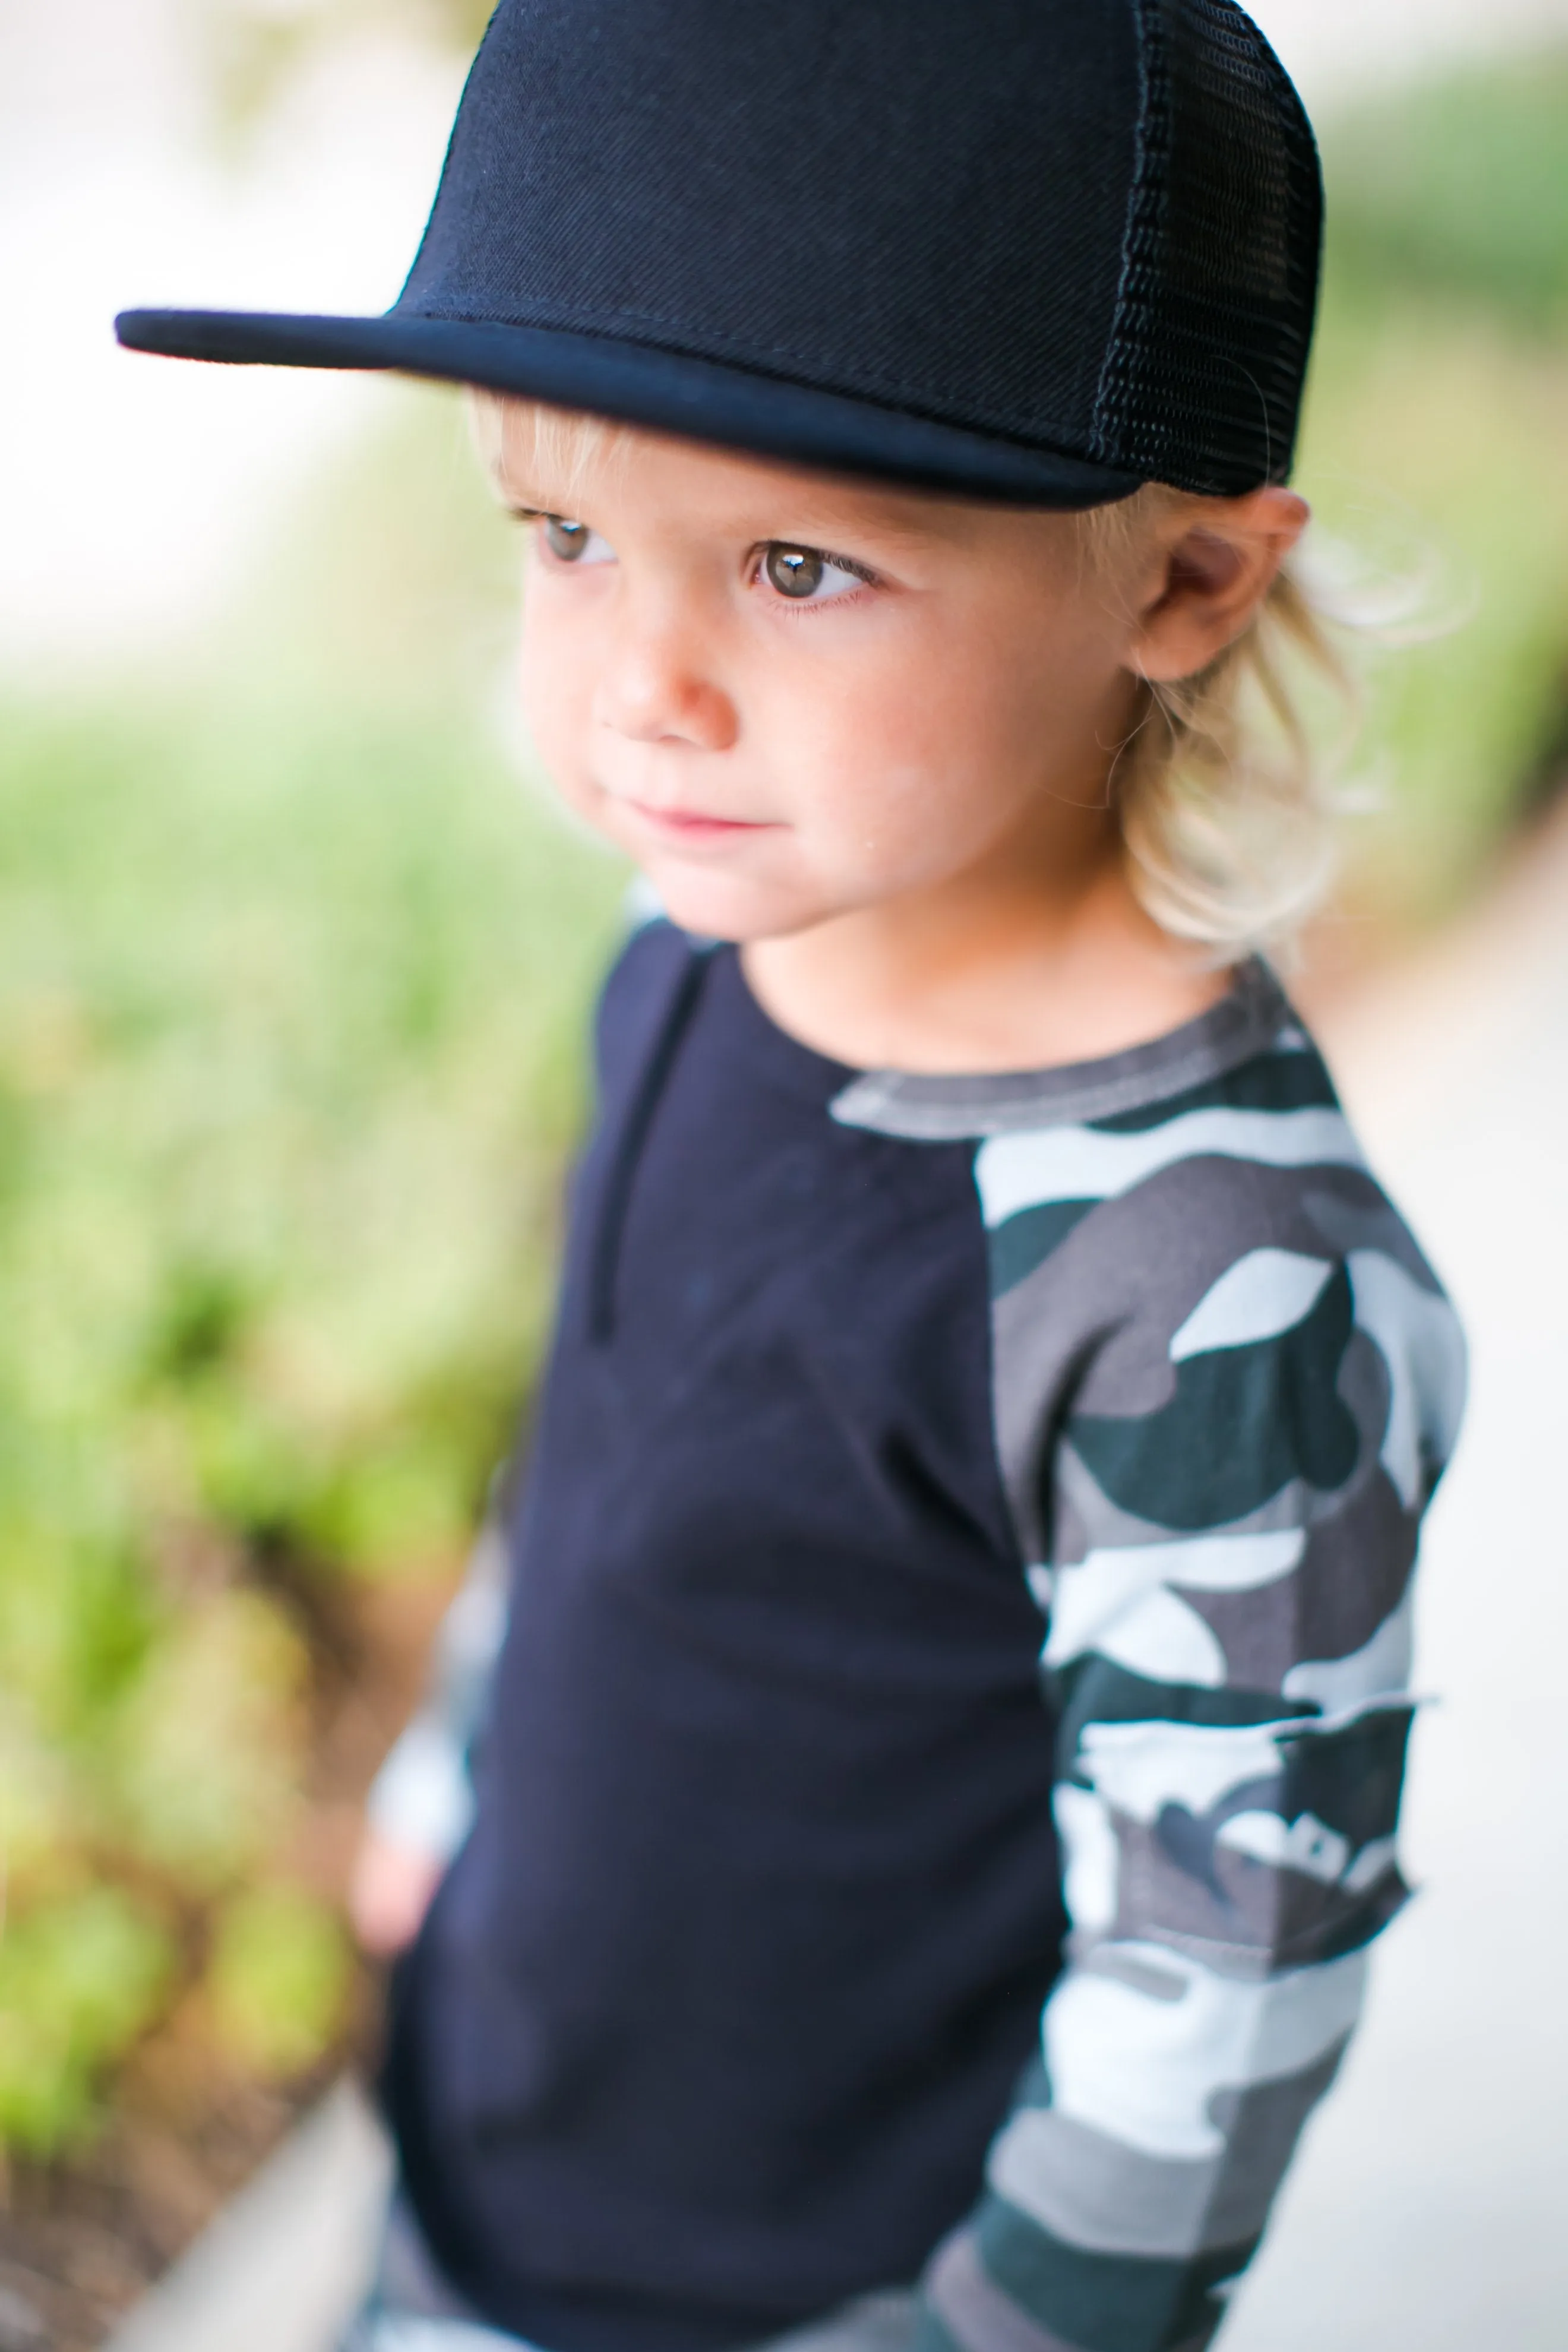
789,698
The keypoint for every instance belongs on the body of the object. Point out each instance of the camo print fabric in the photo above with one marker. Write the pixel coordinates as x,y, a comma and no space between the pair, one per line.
1226,1383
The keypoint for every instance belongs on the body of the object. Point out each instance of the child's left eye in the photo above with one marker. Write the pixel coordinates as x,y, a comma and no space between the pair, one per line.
806,575
573,542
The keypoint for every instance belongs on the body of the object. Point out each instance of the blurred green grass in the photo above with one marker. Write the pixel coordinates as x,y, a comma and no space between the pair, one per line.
294,968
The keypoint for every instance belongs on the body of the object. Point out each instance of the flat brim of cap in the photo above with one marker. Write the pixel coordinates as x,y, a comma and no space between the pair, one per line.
636,384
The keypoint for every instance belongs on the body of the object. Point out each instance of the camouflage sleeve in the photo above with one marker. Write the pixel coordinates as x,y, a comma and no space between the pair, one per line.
1227,1385
423,1796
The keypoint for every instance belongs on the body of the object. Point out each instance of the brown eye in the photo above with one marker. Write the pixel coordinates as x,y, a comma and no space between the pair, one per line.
793,570
566,539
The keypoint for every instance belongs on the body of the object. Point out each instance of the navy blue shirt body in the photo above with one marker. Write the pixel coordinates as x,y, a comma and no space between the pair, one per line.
723,2001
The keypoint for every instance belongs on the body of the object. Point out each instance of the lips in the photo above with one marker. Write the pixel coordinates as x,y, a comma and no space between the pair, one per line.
693,824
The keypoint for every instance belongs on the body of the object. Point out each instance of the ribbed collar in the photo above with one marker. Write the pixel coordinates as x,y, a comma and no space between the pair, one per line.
1252,1016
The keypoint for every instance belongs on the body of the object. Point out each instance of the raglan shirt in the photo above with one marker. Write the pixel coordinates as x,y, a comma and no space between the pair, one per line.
939,1780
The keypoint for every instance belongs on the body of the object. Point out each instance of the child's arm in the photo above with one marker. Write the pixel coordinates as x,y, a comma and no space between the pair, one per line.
1228,1591
421,1801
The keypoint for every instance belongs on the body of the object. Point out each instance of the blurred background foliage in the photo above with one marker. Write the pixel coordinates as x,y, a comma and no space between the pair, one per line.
292,972
255,48
294,964
1435,452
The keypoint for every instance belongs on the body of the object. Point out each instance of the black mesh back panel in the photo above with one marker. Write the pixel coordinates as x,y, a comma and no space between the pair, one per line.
1202,383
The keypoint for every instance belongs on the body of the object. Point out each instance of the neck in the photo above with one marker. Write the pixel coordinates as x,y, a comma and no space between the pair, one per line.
995,973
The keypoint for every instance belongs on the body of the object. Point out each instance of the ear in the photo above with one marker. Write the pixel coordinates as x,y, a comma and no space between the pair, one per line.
1215,563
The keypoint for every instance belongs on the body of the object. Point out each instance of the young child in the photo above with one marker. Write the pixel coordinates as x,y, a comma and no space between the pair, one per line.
970,1252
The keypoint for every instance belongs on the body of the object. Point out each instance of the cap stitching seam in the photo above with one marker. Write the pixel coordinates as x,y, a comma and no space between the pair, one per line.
1102,435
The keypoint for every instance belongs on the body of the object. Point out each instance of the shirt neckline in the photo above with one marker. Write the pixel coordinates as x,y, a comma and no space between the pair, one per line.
784,1060
1251,1016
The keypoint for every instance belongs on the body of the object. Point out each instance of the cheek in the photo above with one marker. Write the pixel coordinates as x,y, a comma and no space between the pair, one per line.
910,763
555,677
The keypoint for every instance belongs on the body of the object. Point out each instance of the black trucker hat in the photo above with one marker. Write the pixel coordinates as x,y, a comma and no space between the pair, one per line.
1036,250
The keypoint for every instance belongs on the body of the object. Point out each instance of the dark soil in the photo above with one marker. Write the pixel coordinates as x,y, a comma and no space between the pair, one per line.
81,2240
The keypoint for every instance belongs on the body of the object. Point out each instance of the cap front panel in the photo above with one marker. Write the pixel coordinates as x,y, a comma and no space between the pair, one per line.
845,195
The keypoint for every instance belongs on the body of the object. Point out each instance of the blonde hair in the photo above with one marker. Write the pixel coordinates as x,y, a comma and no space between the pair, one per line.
1223,788
566,445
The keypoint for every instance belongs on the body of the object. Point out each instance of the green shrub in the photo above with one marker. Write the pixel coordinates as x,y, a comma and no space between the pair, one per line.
1434,451
80,1977
278,1980
1458,188
1434,446
291,1005
201,1757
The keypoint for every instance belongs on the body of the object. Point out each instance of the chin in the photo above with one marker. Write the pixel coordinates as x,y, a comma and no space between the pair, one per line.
714,905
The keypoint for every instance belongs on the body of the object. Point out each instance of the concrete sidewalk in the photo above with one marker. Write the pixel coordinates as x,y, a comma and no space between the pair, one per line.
1428,2210
282,2266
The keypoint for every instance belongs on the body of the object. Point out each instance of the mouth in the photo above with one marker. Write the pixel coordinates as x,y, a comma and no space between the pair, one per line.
693,827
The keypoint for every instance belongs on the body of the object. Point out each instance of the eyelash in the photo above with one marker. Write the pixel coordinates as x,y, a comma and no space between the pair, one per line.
856,570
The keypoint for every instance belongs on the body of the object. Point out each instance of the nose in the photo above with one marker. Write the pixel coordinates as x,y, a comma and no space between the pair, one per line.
656,684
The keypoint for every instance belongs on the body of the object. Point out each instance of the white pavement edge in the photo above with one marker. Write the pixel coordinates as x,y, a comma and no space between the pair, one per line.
1428,2210
282,2267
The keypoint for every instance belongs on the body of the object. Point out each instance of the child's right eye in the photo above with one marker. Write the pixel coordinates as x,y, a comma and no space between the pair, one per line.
573,542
